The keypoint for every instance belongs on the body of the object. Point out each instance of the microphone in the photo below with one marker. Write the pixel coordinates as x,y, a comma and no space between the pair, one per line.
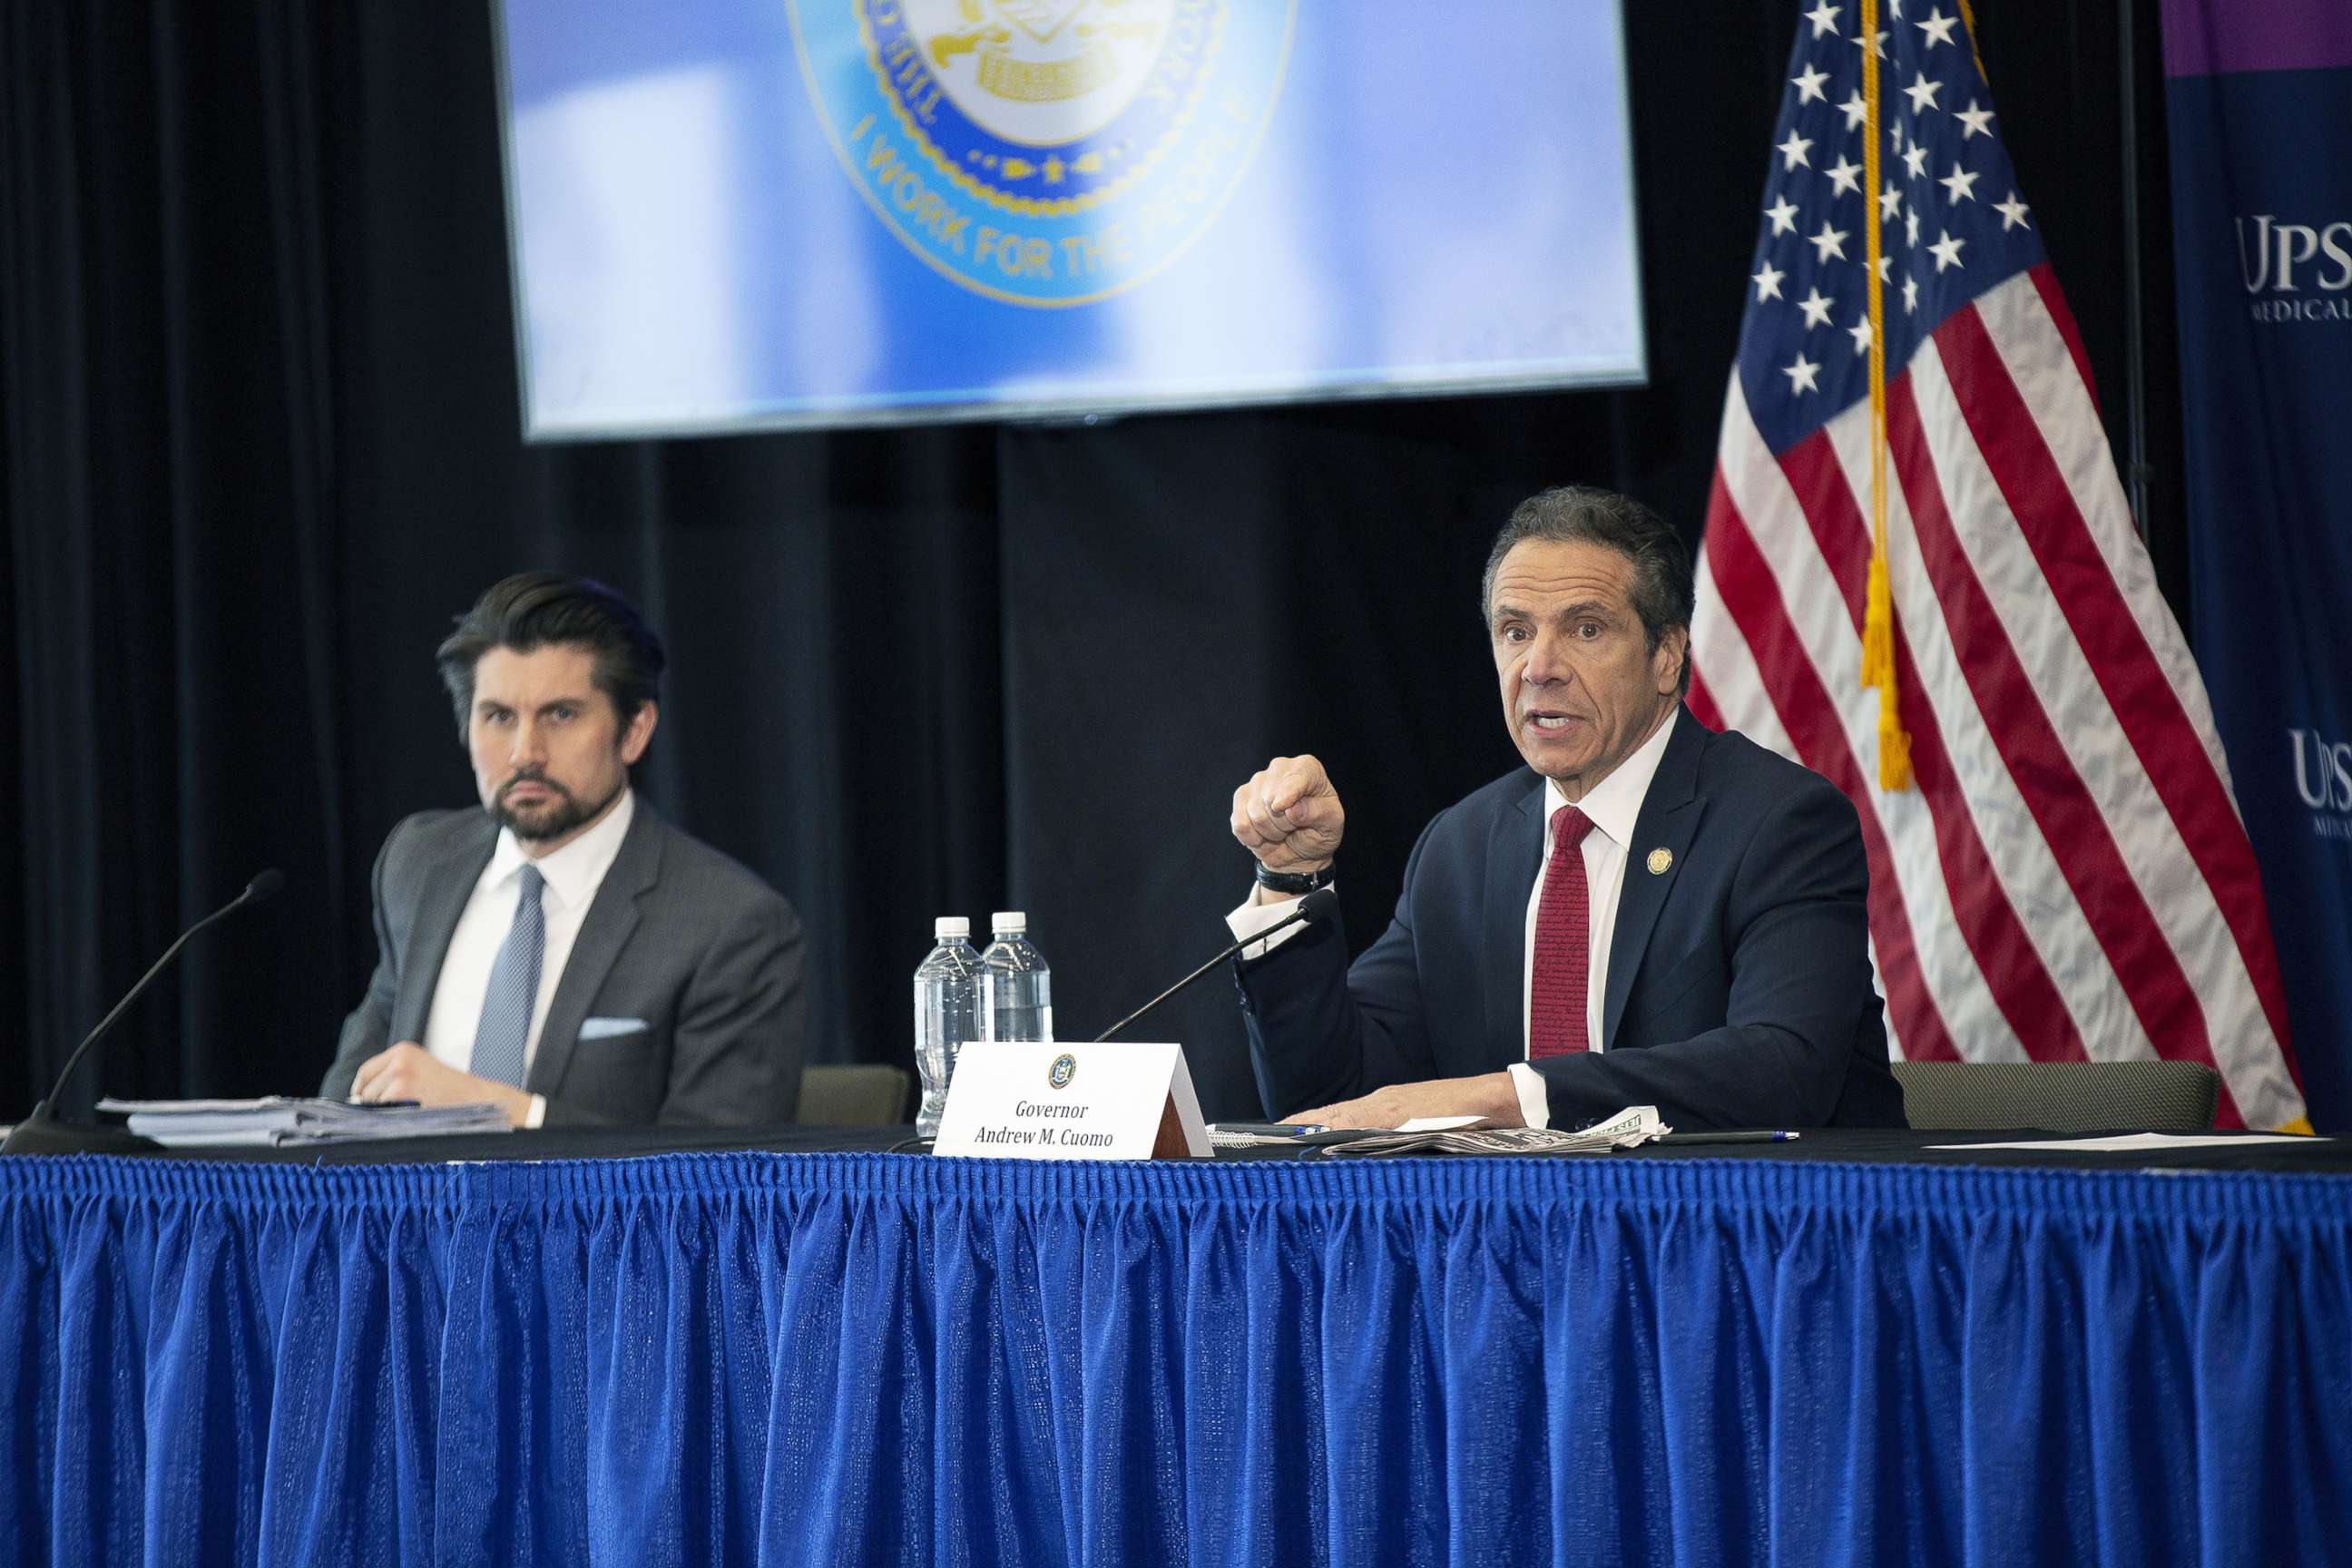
1315,906
42,1132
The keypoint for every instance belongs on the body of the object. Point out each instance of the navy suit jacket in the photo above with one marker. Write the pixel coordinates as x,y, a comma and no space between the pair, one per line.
1738,990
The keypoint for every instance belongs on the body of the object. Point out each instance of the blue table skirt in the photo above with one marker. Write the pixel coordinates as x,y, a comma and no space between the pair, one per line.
859,1358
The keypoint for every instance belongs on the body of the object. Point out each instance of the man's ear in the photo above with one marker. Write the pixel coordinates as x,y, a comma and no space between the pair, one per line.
1667,665
640,732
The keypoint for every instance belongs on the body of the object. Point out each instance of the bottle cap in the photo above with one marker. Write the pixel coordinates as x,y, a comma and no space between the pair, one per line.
1007,921
949,925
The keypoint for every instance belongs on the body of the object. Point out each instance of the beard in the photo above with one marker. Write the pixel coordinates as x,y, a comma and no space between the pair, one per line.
556,818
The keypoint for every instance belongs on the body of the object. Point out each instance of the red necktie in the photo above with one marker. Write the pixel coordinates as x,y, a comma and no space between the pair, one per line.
1563,952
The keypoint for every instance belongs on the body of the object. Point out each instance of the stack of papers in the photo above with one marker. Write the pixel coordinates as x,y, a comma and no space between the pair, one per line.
279,1121
1633,1125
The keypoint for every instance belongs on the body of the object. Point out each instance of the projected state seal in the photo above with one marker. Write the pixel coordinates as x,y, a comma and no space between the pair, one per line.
1044,152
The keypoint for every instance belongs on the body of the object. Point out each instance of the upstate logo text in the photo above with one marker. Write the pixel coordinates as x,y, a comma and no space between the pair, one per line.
2323,777
2295,271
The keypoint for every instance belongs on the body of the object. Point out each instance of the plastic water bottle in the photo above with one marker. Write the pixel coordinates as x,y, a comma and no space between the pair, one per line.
1016,989
947,1014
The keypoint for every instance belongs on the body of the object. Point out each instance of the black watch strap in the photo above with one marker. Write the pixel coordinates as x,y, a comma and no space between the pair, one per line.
1296,883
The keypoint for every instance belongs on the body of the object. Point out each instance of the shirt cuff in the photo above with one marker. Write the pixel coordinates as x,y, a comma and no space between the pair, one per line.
536,1117
1251,919
1535,1100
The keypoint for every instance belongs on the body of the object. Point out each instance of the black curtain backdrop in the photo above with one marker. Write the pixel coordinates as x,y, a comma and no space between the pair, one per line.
259,434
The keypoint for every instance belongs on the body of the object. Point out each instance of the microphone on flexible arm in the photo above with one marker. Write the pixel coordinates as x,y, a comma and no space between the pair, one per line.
42,1132
1315,906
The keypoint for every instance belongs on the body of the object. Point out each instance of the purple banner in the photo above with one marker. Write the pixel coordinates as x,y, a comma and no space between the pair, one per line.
2260,118
2202,39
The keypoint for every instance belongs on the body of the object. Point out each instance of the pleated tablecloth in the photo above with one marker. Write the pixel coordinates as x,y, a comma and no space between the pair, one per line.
869,1358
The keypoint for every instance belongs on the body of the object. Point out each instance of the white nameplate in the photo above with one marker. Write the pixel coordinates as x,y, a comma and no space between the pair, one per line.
1110,1101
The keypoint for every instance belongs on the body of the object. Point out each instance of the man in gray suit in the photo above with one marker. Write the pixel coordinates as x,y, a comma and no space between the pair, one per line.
562,952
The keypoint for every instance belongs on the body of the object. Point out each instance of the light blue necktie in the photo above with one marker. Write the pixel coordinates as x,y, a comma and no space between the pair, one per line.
513,994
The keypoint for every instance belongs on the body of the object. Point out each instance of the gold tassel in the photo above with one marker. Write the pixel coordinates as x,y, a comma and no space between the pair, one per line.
1894,743
1877,626
1878,607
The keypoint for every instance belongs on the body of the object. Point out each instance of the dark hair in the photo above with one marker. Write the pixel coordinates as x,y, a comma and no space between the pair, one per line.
533,609
1579,514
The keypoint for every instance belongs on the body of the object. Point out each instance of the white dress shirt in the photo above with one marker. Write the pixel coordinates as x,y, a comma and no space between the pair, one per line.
1614,805
572,874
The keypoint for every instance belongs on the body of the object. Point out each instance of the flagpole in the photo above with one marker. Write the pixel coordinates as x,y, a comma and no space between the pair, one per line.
2136,464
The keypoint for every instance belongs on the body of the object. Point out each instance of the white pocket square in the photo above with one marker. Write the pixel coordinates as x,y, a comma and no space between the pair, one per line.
609,1028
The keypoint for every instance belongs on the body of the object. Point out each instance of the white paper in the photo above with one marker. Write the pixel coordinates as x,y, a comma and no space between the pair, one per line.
191,1107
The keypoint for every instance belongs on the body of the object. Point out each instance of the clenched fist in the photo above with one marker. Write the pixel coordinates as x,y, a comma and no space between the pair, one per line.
1289,816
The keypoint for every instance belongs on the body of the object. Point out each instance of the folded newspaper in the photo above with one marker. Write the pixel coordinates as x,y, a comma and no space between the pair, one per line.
1634,1125
280,1122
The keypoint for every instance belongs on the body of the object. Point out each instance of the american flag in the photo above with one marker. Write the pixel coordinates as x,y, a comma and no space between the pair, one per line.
2066,877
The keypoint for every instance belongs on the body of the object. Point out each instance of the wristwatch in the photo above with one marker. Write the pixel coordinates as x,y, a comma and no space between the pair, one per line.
1294,883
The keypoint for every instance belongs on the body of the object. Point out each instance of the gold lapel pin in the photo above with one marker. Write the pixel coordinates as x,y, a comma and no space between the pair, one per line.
1660,859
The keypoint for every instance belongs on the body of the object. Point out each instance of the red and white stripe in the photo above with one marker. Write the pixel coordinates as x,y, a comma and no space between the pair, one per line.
2068,878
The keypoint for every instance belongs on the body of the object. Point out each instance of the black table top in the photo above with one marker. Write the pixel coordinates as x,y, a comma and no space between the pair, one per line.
2242,1153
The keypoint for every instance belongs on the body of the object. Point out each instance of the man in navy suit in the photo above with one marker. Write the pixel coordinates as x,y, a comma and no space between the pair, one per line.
1648,914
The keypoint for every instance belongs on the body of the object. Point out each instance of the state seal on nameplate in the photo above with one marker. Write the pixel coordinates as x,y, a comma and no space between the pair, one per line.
1044,151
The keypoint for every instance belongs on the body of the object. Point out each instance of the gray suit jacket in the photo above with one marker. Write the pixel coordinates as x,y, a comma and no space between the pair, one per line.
679,938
